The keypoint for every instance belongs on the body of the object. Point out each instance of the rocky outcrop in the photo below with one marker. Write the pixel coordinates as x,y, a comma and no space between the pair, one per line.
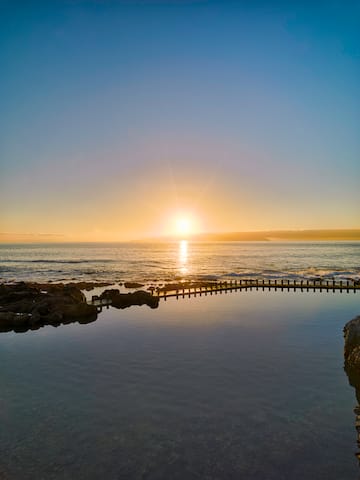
352,344
25,306
29,306
352,367
125,300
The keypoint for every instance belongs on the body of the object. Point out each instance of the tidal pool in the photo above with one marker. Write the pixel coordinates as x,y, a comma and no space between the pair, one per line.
245,385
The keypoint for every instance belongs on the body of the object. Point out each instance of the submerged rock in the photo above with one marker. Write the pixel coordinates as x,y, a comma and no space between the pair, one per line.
133,285
90,285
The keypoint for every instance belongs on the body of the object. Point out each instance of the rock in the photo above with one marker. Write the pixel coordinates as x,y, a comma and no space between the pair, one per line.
352,343
35,319
125,300
25,306
30,305
89,285
352,355
42,308
79,311
352,366
133,285
110,293
6,320
21,320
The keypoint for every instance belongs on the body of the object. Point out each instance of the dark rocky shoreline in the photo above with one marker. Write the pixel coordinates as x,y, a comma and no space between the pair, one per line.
28,306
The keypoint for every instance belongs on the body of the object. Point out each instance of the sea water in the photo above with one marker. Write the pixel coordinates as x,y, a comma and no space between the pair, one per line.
151,262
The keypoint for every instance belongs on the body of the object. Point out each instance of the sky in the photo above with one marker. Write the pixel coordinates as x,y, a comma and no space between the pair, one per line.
125,119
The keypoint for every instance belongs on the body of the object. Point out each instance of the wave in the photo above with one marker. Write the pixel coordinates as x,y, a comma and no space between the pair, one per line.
310,273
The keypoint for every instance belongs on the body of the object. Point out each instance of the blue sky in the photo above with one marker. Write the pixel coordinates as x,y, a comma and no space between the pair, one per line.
146,104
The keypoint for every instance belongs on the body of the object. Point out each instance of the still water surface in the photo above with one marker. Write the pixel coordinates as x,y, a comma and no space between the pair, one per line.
248,385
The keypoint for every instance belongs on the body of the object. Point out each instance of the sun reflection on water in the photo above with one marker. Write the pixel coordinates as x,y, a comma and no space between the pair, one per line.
183,257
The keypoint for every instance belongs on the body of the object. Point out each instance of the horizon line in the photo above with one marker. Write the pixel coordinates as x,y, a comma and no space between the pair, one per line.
324,234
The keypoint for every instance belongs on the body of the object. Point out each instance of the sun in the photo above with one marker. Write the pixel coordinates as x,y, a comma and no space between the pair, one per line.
183,226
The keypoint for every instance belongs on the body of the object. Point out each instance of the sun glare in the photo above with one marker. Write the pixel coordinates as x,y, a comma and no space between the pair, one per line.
183,226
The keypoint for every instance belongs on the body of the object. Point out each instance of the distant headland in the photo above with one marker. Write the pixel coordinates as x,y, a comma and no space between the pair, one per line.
285,235
278,236
255,236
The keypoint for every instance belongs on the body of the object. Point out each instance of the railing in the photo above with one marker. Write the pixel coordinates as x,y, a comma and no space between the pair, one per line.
283,285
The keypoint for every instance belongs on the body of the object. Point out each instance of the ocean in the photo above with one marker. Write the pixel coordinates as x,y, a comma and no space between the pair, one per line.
159,262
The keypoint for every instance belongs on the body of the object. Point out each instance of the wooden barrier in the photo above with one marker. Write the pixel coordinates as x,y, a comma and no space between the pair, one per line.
231,286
